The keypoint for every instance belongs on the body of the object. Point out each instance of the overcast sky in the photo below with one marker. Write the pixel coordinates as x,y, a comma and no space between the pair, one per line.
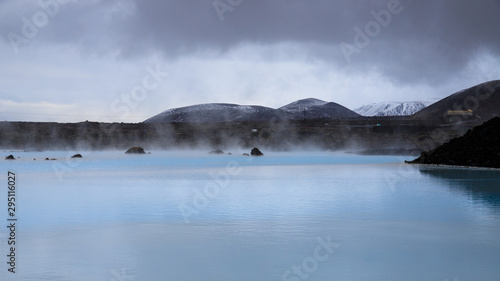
127,60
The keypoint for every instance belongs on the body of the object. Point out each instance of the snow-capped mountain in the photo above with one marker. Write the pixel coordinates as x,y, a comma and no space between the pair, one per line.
306,109
392,108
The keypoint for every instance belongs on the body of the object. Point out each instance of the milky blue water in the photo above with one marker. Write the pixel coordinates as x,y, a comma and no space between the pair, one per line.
285,216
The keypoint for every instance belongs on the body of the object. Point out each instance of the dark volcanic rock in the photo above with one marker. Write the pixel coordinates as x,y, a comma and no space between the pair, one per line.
218,151
256,152
10,157
76,156
135,150
479,147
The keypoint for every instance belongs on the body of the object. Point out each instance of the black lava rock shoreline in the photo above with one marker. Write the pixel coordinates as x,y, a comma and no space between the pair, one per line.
479,147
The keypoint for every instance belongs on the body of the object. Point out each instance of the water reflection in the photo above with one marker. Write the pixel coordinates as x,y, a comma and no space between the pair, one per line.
482,186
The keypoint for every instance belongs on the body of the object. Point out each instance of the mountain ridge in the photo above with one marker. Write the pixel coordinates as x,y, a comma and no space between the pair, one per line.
304,109
475,104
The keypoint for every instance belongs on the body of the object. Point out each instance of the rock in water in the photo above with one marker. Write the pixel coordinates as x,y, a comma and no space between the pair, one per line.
10,157
218,151
76,156
256,152
135,150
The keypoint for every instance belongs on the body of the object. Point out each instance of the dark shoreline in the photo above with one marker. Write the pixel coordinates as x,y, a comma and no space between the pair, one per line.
452,166
392,151
368,135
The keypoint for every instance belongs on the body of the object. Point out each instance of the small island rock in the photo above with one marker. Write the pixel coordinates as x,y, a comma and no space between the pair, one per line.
135,150
77,156
218,151
256,152
10,157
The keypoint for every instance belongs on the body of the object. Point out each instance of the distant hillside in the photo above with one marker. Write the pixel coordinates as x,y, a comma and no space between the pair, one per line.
392,108
316,109
479,147
306,109
215,112
472,106
482,100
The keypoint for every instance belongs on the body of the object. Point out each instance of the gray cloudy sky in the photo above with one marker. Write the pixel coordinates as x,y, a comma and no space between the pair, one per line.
107,60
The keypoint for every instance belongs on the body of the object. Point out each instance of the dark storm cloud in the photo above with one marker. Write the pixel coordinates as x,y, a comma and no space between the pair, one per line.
426,41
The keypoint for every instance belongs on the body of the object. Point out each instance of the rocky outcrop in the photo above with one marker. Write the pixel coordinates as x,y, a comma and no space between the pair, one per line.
10,157
77,156
135,150
218,151
256,152
479,147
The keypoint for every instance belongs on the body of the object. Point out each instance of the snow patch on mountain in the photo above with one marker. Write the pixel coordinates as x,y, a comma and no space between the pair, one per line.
214,112
392,108
310,109
303,104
